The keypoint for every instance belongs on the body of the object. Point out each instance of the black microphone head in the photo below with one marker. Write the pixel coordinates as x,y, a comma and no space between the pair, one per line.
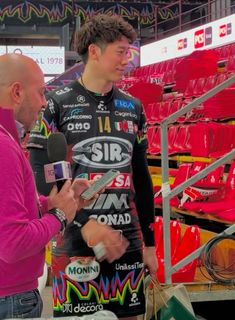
56,147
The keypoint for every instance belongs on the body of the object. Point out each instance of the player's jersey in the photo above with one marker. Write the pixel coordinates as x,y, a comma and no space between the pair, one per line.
101,134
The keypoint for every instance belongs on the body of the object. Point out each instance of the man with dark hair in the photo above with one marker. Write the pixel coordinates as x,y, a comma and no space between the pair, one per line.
105,128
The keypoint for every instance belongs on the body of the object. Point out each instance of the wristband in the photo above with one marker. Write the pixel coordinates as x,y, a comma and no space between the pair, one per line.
60,215
81,219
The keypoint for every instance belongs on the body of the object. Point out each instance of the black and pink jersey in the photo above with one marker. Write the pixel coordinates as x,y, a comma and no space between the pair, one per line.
101,133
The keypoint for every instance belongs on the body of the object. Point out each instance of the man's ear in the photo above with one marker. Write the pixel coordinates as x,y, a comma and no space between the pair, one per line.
93,51
17,92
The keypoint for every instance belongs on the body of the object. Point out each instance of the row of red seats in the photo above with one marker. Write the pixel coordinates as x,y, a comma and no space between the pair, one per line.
224,53
209,185
221,106
230,65
222,204
186,138
180,248
197,87
208,139
158,111
210,195
178,140
156,68
159,78
217,107
127,82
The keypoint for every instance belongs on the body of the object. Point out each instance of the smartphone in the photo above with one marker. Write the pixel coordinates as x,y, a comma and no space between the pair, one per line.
100,184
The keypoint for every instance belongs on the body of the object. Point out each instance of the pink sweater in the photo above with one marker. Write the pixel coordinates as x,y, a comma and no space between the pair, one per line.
23,235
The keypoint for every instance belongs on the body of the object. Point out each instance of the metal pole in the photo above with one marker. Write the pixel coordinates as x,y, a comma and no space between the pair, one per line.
155,22
166,201
180,15
209,11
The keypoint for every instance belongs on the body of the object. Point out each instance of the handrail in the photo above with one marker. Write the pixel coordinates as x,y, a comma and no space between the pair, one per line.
209,16
167,193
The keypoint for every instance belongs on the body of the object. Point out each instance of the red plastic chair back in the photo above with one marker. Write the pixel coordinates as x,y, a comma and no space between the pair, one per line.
189,243
182,174
158,231
172,134
150,134
156,112
199,87
197,166
230,183
181,140
148,109
156,143
175,235
189,91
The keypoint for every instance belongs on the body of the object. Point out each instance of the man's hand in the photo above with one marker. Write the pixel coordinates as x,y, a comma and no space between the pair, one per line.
78,186
64,200
150,260
112,242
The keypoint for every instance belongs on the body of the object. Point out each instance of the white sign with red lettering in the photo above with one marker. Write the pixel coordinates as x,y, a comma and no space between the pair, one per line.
211,35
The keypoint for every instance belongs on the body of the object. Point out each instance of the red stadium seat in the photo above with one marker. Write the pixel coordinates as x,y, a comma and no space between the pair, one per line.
175,236
172,134
158,231
164,109
228,215
181,175
181,144
189,92
199,87
231,63
210,83
156,112
150,135
224,201
148,108
156,143
189,243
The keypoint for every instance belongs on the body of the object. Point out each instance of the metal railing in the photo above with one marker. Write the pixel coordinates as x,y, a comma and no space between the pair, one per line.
167,193
185,20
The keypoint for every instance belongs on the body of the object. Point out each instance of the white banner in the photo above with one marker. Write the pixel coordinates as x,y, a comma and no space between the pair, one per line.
50,59
211,35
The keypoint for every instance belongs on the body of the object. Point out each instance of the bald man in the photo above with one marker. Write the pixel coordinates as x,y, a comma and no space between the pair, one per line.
28,222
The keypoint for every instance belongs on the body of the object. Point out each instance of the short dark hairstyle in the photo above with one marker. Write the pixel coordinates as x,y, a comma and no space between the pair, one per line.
102,29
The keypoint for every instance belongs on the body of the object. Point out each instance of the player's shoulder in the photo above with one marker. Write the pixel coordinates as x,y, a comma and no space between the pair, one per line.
62,92
125,98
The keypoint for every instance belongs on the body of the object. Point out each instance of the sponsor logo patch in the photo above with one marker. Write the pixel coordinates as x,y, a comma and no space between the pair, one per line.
125,104
121,181
82,272
63,91
103,152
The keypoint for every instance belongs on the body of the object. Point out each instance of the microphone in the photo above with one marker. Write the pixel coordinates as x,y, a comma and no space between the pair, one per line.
58,170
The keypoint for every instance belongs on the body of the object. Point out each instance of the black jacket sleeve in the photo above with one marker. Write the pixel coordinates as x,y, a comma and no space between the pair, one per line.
144,195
